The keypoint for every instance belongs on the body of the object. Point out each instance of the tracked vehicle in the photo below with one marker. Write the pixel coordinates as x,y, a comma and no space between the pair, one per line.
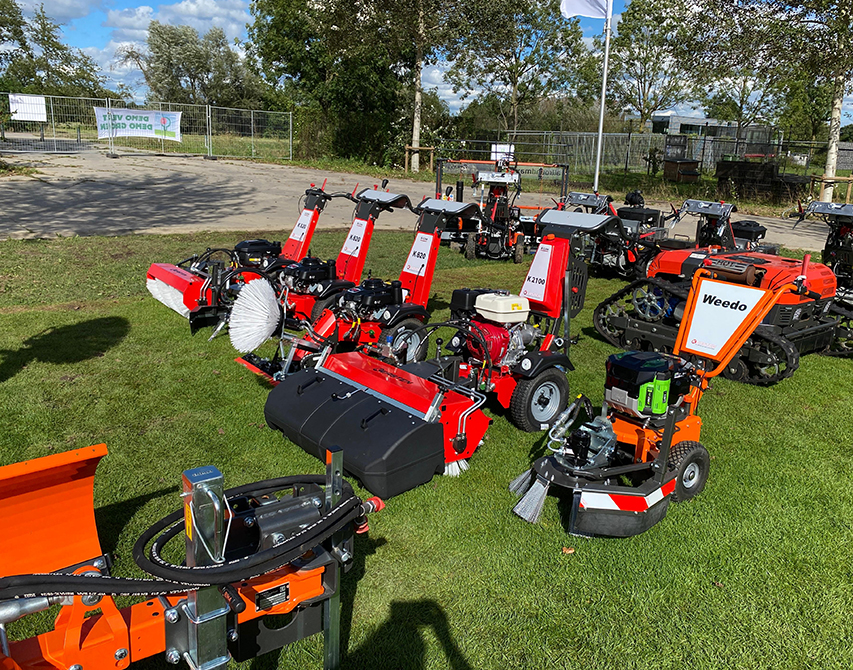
646,314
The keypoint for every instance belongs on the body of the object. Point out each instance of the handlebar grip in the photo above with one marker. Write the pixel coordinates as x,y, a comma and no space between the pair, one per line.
235,602
814,295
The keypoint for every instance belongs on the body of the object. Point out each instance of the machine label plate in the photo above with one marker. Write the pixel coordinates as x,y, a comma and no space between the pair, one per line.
417,261
266,600
301,226
352,245
537,276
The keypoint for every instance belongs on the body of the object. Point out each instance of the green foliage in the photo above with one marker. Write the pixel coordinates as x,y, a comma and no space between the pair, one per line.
340,58
530,53
847,133
181,66
645,73
805,109
38,61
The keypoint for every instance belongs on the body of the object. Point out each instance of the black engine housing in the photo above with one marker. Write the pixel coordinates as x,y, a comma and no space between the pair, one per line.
256,252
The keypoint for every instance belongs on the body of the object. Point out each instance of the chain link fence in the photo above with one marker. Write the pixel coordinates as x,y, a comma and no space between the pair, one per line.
70,127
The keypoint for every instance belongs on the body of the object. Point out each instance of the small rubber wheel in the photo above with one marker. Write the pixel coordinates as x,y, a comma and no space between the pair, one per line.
470,247
537,402
518,251
416,349
691,463
321,305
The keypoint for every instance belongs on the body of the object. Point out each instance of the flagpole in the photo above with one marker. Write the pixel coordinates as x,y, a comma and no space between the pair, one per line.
603,93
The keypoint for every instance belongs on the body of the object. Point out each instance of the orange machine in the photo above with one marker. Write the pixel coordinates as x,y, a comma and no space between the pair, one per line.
250,555
624,466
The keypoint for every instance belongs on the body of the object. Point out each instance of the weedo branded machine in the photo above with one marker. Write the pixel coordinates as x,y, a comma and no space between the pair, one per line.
402,422
253,554
621,468
373,312
647,313
201,287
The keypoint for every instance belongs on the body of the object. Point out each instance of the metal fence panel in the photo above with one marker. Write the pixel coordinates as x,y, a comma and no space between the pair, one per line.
205,130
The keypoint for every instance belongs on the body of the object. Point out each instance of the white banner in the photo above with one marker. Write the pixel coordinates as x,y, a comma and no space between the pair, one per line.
721,308
594,9
27,107
138,123
537,276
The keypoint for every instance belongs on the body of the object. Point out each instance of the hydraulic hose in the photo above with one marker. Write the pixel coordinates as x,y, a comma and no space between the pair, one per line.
175,579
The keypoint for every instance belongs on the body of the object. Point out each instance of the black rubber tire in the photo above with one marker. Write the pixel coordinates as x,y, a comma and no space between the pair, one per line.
320,306
525,394
518,251
470,248
693,459
403,326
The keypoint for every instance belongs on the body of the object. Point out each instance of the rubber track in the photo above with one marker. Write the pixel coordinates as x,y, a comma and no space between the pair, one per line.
843,313
791,355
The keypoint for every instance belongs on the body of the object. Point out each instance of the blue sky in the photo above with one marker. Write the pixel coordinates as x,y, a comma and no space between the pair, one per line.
98,27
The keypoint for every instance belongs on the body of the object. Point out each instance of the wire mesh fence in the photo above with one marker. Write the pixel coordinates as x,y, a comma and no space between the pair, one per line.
69,125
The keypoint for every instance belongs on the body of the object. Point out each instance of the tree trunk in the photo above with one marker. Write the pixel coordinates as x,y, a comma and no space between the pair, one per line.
834,135
416,113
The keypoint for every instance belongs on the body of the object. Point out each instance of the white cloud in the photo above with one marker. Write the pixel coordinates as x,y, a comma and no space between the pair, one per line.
129,25
230,15
62,11
433,78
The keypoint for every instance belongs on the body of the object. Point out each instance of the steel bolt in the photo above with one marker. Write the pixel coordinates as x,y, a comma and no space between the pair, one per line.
173,656
249,521
345,556
121,654
277,539
100,563
91,600
76,666
171,615
233,635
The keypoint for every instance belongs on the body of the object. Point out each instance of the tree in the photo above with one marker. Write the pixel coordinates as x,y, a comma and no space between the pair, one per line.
531,52
350,85
180,66
805,109
846,134
646,74
37,61
784,38
744,95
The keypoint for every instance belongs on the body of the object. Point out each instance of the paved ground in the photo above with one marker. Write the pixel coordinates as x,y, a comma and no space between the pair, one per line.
90,194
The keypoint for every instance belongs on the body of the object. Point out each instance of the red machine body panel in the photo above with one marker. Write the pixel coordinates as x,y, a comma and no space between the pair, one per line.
543,286
296,247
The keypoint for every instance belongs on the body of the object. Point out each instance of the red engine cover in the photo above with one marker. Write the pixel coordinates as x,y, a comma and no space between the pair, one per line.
496,338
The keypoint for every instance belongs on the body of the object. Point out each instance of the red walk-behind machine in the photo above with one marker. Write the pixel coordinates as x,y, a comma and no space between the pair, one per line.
254,553
400,422
201,287
375,311
622,468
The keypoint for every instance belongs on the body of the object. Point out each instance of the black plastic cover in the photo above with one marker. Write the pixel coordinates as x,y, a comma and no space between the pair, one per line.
749,230
462,301
388,449
645,215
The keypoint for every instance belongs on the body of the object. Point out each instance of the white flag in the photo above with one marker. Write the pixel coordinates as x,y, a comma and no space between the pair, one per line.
594,9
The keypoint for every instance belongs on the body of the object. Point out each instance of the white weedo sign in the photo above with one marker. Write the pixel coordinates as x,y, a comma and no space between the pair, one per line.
537,276
301,226
721,308
417,260
355,237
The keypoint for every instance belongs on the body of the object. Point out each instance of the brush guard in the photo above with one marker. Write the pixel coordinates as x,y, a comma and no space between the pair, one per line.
598,506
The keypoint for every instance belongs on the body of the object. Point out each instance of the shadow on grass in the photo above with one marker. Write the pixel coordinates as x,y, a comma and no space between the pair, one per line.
113,518
73,343
399,641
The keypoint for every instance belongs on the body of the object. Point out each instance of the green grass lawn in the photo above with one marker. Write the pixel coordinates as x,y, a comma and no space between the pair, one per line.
754,573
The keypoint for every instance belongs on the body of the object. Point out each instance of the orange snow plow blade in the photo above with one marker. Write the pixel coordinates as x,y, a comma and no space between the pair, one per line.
49,513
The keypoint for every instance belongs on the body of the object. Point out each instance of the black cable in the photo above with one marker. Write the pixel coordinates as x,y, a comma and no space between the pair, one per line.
179,579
